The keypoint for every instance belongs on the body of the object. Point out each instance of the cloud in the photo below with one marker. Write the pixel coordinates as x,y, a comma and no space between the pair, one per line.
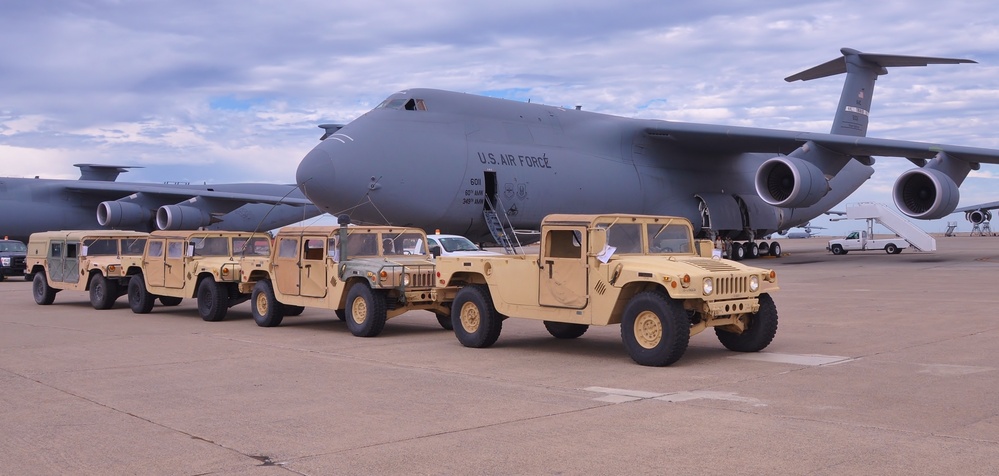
233,91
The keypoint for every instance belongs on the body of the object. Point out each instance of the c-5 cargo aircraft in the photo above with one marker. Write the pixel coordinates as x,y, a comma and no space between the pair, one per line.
456,162
96,200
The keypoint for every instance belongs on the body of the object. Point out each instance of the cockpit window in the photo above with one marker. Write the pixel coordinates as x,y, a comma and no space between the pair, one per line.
411,104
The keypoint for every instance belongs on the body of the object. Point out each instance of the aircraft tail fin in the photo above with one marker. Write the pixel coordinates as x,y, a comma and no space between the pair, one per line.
861,69
103,173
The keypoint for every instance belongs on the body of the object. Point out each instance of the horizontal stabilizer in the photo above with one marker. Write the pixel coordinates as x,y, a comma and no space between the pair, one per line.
102,173
838,65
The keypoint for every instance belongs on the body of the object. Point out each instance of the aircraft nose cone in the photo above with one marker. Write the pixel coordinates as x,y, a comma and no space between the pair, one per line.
315,176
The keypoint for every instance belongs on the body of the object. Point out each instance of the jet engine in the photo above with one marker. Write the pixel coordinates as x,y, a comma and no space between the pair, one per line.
977,217
117,214
790,182
177,217
925,193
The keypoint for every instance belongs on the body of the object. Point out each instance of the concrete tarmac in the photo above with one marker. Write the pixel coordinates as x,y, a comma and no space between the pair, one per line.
882,364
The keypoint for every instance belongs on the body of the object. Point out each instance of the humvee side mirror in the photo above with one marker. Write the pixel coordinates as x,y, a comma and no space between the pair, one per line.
435,250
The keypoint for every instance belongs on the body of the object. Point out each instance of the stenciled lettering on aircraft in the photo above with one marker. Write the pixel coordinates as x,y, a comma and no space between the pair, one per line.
489,158
473,196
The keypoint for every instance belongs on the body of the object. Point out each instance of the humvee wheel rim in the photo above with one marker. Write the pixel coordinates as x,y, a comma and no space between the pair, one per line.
262,304
648,329
359,310
470,318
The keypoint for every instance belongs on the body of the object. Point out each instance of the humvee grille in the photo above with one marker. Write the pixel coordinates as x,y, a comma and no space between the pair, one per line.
731,285
421,279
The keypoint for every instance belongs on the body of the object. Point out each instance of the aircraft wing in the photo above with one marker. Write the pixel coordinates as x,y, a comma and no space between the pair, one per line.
983,206
734,139
183,192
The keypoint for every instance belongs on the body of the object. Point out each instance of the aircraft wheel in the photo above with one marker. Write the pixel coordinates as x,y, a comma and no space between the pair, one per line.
751,250
103,292
444,321
290,310
139,299
565,330
891,249
838,250
40,289
775,249
266,310
213,300
170,301
655,329
366,311
737,252
764,248
761,328
474,318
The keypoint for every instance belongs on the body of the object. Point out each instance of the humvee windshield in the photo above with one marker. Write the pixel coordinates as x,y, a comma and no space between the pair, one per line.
668,238
404,244
211,246
256,246
101,246
131,246
660,238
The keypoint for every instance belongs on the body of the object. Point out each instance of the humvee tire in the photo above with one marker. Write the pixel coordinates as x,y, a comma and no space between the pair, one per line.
267,311
366,311
444,321
40,289
474,318
565,330
213,300
341,314
170,301
760,330
139,299
655,329
290,310
103,293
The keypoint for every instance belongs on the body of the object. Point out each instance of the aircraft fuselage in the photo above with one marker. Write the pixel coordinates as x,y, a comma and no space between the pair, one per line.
429,158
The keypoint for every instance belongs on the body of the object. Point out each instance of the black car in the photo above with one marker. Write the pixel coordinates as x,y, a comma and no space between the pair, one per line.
13,255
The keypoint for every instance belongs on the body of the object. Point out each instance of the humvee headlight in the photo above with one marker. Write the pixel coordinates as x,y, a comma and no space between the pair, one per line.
405,279
383,274
709,286
754,283
112,268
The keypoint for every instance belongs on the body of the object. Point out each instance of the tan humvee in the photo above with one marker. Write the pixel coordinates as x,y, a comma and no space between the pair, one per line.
645,272
366,274
83,260
203,264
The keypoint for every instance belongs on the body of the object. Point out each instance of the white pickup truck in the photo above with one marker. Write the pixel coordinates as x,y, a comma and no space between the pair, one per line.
862,241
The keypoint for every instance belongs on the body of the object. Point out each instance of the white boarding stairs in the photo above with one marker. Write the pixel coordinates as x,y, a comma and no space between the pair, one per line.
893,221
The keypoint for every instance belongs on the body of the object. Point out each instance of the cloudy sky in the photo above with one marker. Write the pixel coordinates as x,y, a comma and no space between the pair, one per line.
232,91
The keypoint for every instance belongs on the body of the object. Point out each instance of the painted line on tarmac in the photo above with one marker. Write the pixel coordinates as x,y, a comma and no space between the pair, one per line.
622,395
811,360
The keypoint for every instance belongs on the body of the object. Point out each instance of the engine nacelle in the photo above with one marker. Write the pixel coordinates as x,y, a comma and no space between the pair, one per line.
925,193
177,217
116,214
977,217
790,182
